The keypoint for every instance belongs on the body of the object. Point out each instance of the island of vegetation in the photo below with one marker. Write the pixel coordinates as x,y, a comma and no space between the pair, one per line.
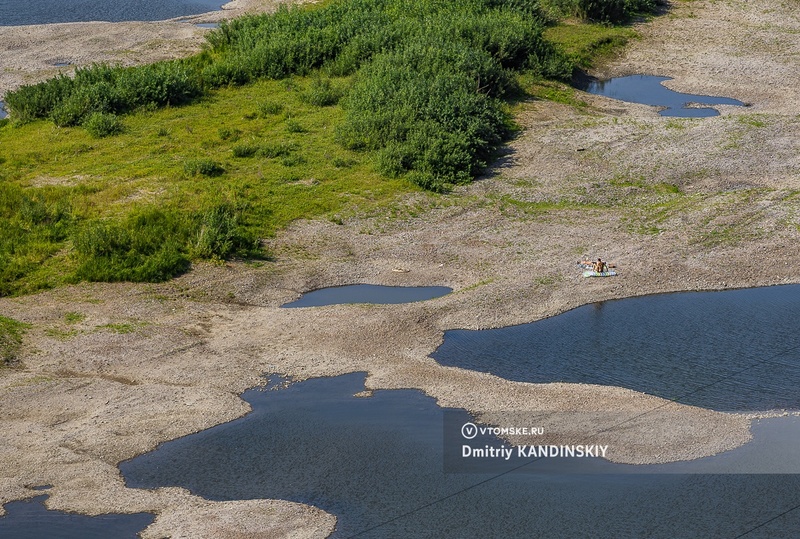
311,111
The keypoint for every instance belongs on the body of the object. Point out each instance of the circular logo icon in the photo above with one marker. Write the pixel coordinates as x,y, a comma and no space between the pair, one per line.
469,431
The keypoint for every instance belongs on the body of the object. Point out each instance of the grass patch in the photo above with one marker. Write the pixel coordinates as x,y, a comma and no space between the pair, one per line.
61,334
587,44
74,317
11,333
554,91
121,328
127,209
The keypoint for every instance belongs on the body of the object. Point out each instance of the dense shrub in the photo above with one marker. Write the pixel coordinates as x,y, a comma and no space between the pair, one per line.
33,226
152,245
604,11
275,149
219,235
321,93
101,88
245,150
145,247
269,108
203,167
101,124
28,103
424,110
612,11
11,332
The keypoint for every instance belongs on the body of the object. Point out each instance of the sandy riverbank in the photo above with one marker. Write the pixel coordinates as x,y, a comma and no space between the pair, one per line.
28,54
87,397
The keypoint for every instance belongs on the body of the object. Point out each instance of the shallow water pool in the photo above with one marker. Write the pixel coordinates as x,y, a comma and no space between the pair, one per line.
649,90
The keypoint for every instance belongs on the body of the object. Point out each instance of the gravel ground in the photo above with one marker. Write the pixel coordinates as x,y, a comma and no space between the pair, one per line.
607,179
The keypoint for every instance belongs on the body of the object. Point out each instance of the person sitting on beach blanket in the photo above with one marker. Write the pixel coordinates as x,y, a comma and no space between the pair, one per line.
600,266
591,264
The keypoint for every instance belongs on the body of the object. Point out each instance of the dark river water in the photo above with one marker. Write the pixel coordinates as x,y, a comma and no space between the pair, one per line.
29,519
23,12
649,90
377,463
731,350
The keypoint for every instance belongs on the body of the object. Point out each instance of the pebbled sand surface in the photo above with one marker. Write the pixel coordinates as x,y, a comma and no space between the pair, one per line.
577,182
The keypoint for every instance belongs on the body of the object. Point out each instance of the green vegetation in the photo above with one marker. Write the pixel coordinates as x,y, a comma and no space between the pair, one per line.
122,329
586,44
128,207
11,332
603,11
313,111
102,124
74,317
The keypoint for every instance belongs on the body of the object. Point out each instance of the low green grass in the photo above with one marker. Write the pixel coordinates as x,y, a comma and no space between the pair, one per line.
587,44
58,184
120,328
74,317
11,332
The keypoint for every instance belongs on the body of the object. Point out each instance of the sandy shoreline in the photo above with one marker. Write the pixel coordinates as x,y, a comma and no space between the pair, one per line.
28,54
87,397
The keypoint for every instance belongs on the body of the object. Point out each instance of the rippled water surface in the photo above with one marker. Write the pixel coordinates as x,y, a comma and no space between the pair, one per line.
730,350
368,293
376,463
29,519
649,90
22,12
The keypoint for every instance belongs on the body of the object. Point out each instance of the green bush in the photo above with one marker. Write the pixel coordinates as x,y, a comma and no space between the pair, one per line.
276,149
292,126
321,93
609,11
203,167
428,79
245,150
100,124
293,160
220,236
226,133
11,332
146,247
35,101
420,108
269,108
34,223
101,88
